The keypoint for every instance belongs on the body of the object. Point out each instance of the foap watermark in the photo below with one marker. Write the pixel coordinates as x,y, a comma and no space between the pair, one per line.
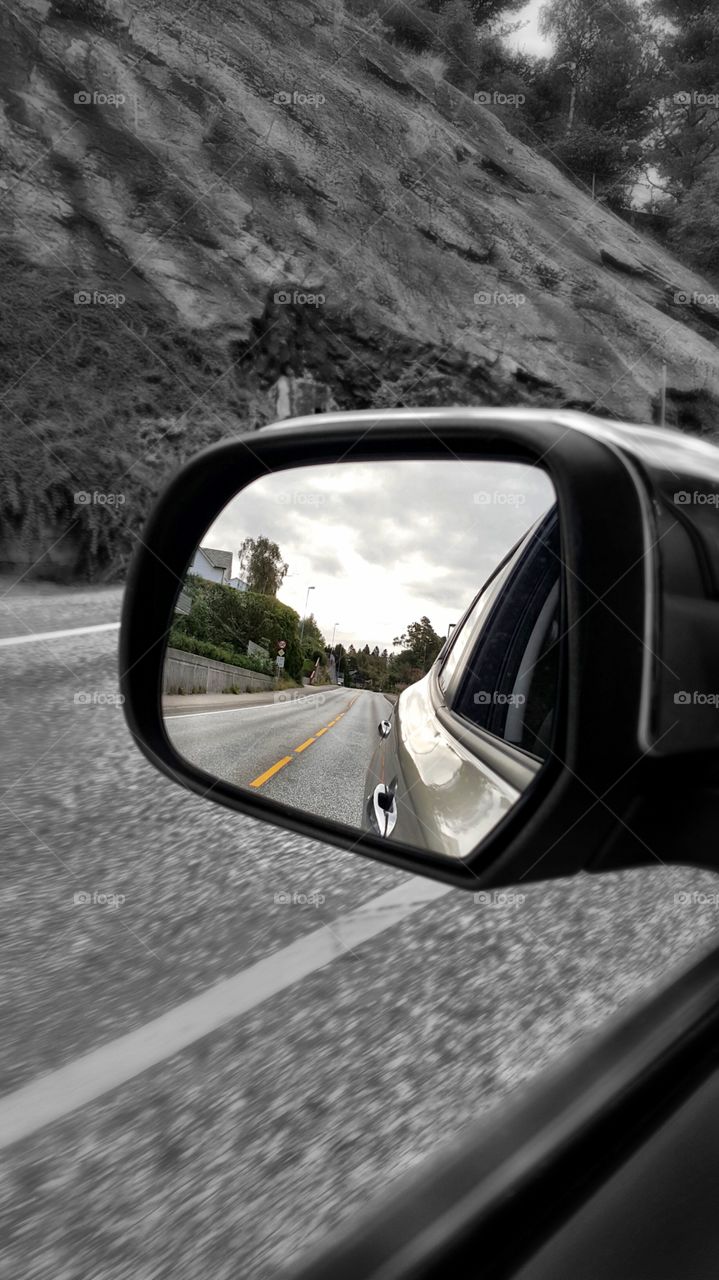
302,498
483,298
498,498
493,98
298,98
91,98
287,696
297,298
696,698
499,898
312,899
696,899
685,298
97,498
693,98
484,697
685,498
96,298
96,698
95,899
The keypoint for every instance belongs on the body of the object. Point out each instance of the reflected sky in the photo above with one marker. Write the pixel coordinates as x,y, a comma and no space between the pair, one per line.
383,543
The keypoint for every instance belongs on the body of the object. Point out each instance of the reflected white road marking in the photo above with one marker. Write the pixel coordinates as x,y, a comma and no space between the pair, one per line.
220,711
246,706
59,635
57,1094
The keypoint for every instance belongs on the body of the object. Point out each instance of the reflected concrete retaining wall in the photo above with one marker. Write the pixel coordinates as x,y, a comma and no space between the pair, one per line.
191,673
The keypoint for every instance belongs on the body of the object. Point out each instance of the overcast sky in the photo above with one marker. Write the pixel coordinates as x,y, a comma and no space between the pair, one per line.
528,38
383,543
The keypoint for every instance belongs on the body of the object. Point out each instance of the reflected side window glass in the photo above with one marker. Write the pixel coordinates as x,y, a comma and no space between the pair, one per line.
512,679
467,629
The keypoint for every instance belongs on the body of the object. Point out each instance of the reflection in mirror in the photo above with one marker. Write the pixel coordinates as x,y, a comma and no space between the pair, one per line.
375,643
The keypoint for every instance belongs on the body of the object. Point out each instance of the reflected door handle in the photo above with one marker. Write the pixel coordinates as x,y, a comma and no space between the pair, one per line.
384,805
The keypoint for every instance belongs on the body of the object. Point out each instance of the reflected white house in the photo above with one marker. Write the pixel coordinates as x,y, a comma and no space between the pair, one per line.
216,566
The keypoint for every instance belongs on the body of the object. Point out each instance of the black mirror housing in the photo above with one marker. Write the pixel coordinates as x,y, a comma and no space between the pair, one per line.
640,608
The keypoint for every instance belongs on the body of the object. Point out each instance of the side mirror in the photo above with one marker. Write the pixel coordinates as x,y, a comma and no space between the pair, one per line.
293,585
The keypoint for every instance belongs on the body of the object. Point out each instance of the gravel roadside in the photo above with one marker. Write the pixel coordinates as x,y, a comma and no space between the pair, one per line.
237,1155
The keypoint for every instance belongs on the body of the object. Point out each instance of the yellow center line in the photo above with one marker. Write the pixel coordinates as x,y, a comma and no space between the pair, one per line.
280,764
275,768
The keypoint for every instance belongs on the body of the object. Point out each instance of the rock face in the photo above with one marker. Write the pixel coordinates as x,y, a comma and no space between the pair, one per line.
293,397
221,157
316,206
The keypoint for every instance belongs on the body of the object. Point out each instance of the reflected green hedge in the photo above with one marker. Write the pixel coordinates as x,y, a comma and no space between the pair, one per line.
225,620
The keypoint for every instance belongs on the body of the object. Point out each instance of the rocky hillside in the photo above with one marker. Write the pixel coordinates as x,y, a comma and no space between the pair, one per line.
218,213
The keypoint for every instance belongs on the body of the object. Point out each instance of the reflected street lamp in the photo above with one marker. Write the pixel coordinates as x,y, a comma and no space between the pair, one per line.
302,624
332,651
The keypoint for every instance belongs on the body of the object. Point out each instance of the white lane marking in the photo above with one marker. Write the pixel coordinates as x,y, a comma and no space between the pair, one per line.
246,706
61,1092
220,711
60,635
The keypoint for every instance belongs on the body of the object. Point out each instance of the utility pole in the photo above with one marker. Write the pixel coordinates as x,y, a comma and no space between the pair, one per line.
572,101
332,651
571,67
663,411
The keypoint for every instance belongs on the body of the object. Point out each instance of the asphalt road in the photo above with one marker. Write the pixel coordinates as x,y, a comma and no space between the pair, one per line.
233,1155
311,752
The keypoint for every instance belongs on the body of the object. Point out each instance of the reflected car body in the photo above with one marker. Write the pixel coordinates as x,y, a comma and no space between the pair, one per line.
458,748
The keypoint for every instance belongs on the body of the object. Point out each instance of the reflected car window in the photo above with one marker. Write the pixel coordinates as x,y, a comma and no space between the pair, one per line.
511,683
530,713
467,629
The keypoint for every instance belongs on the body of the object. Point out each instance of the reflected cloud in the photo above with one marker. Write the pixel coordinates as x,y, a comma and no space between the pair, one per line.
384,543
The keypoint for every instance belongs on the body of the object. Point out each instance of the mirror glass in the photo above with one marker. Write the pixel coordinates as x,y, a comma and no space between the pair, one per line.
376,643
